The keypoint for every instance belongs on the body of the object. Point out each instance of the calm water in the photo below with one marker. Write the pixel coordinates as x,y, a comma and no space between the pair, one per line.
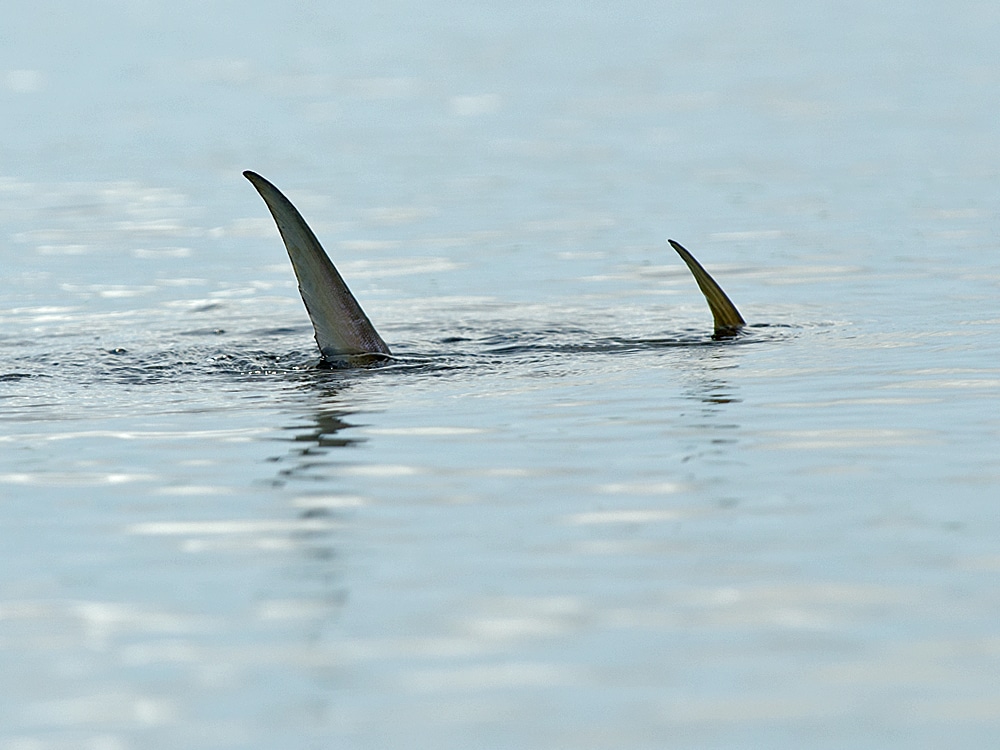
565,517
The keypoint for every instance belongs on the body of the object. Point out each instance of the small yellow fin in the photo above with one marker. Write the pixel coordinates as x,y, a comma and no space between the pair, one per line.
727,317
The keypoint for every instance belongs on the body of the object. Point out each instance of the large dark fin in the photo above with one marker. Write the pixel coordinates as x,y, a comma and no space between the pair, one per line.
343,331
727,318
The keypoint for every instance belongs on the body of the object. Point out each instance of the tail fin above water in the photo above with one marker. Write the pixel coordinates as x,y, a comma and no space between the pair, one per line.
727,318
341,326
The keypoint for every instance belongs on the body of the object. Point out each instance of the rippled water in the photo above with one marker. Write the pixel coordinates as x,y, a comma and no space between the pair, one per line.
565,516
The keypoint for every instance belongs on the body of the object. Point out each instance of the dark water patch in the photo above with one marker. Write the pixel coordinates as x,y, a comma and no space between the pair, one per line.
579,341
180,358
278,331
13,377
203,332
324,432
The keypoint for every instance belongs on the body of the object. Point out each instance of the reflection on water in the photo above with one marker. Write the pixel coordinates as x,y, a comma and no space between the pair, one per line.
311,455
588,529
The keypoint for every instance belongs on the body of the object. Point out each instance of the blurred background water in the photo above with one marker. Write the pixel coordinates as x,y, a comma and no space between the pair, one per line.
565,518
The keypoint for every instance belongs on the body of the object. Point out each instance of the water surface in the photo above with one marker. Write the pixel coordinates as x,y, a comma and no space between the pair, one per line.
565,516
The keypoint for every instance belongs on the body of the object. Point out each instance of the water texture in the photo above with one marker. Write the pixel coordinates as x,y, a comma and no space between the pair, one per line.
565,516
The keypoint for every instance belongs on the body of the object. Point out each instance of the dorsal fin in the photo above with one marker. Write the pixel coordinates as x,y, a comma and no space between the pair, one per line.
727,318
342,328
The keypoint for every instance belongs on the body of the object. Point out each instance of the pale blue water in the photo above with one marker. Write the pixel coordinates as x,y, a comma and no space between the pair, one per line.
566,517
